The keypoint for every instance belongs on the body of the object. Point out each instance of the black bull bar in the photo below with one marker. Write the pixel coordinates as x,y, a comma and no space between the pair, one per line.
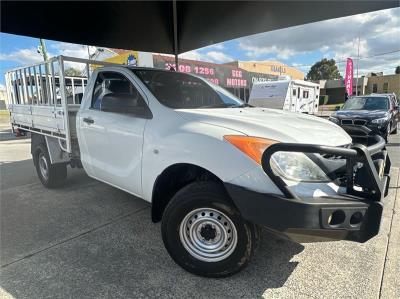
375,175
354,215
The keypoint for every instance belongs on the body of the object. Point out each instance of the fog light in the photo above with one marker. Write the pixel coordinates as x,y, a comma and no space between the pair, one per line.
356,218
336,218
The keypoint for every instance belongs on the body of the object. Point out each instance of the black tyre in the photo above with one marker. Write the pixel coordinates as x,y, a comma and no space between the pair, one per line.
395,129
51,175
204,232
388,130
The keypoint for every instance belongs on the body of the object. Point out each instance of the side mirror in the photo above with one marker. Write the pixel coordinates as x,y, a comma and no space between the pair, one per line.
125,104
337,108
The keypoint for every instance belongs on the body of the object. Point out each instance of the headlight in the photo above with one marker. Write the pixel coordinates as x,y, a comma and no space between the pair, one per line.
333,119
380,120
292,166
296,167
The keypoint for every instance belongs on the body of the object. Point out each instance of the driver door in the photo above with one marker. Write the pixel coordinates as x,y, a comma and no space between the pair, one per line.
111,131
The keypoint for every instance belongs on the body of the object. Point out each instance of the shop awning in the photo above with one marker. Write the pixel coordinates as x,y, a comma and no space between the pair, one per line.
167,26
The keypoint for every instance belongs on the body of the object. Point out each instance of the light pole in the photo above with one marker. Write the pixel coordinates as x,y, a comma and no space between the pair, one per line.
43,51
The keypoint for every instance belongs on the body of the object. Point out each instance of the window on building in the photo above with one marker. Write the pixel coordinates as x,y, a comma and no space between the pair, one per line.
294,92
305,94
374,88
385,87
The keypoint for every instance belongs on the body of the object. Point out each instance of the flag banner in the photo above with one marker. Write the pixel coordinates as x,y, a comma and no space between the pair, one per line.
348,79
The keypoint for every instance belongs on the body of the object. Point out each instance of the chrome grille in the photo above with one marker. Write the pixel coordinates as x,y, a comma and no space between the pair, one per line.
360,122
347,121
356,122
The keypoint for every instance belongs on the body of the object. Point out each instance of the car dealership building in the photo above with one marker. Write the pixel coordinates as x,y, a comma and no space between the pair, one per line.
237,76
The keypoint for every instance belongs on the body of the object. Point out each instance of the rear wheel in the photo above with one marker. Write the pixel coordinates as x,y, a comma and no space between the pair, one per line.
51,175
204,232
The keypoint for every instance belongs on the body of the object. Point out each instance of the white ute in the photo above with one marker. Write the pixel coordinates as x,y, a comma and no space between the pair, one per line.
214,168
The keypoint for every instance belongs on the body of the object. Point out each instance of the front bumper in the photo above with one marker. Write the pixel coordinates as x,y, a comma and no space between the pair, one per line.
363,133
354,216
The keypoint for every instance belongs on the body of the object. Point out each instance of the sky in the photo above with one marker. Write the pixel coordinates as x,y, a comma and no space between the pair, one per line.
377,34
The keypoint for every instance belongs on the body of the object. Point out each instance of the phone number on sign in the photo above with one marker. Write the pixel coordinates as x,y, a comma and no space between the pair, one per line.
188,69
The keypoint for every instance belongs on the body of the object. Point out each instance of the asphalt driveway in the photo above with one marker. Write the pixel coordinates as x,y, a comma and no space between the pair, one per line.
89,240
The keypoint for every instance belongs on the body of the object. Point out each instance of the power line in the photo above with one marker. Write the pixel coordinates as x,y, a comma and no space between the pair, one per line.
361,58
380,54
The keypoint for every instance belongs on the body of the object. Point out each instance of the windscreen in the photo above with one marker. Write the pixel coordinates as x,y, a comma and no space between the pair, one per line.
367,103
182,91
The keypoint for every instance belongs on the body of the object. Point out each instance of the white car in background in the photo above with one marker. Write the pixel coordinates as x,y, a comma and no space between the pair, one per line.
213,168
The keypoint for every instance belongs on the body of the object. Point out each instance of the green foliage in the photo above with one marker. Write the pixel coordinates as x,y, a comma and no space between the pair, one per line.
397,71
71,72
324,70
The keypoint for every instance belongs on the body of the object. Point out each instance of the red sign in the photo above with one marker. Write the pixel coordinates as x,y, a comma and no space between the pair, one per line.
234,82
220,74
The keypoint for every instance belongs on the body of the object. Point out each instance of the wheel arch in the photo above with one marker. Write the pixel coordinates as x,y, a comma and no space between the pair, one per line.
171,180
36,140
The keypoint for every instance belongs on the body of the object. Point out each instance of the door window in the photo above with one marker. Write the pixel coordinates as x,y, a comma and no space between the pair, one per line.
113,92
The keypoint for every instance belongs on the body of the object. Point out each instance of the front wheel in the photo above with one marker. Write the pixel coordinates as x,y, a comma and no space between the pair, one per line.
204,232
388,130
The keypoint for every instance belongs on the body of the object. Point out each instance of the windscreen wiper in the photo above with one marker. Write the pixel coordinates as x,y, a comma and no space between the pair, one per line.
242,105
221,105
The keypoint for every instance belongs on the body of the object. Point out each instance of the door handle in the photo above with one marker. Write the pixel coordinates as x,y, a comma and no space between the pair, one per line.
88,120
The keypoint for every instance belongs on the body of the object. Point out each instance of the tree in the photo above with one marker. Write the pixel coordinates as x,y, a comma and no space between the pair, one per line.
324,70
397,71
71,72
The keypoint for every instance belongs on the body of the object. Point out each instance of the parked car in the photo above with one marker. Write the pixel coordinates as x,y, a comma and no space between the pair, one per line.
375,113
214,169
392,96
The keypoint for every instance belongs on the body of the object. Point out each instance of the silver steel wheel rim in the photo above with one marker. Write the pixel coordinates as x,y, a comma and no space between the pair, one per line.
208,235
44,169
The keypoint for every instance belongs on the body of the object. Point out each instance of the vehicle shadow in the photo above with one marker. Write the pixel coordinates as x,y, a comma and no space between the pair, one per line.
116,251
118,264
23,172
392,144
272,264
